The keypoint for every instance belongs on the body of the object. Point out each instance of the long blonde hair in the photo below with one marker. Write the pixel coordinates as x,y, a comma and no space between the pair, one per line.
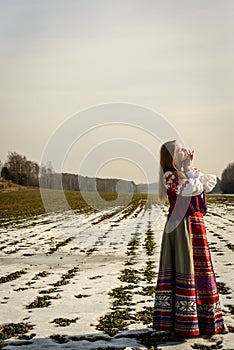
167,163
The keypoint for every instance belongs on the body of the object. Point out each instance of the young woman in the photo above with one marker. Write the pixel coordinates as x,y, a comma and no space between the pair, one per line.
186,298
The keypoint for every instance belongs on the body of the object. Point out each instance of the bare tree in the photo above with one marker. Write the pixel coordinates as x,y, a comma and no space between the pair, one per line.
20,170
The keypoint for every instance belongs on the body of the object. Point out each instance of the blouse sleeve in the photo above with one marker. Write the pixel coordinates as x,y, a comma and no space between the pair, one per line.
209,181
195,183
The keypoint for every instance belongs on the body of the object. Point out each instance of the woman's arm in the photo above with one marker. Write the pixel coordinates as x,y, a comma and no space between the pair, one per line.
195,183
208,180
190,186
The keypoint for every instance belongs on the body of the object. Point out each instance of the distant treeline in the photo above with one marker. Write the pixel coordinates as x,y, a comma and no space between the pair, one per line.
76,182
28,173
22,171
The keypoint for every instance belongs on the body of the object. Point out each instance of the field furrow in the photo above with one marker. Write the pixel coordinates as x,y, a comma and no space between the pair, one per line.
85,280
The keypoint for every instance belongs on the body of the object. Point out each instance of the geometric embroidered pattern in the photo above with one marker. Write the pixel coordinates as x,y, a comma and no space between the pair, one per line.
208,309
207,281
163,301
185,307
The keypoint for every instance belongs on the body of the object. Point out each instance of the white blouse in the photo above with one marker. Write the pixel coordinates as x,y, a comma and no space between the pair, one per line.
195,183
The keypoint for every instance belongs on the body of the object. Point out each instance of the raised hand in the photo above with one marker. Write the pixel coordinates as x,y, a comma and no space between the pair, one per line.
187,164
191,154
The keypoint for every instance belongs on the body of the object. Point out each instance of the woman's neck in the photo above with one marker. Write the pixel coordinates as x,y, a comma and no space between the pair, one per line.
179,166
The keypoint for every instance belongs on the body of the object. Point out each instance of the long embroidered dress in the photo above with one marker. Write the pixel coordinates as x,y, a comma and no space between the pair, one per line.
186,298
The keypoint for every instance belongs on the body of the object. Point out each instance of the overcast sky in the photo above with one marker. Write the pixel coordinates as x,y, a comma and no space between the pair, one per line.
59,57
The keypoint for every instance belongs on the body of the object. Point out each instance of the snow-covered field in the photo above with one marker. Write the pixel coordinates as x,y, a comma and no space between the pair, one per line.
59,275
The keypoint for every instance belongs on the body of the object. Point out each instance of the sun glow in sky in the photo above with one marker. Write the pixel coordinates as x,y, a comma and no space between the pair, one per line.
58,57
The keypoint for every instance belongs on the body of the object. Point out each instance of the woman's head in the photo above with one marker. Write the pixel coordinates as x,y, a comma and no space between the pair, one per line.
172,155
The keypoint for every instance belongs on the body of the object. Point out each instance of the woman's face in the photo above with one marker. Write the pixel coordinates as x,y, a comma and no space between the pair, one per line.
180,154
